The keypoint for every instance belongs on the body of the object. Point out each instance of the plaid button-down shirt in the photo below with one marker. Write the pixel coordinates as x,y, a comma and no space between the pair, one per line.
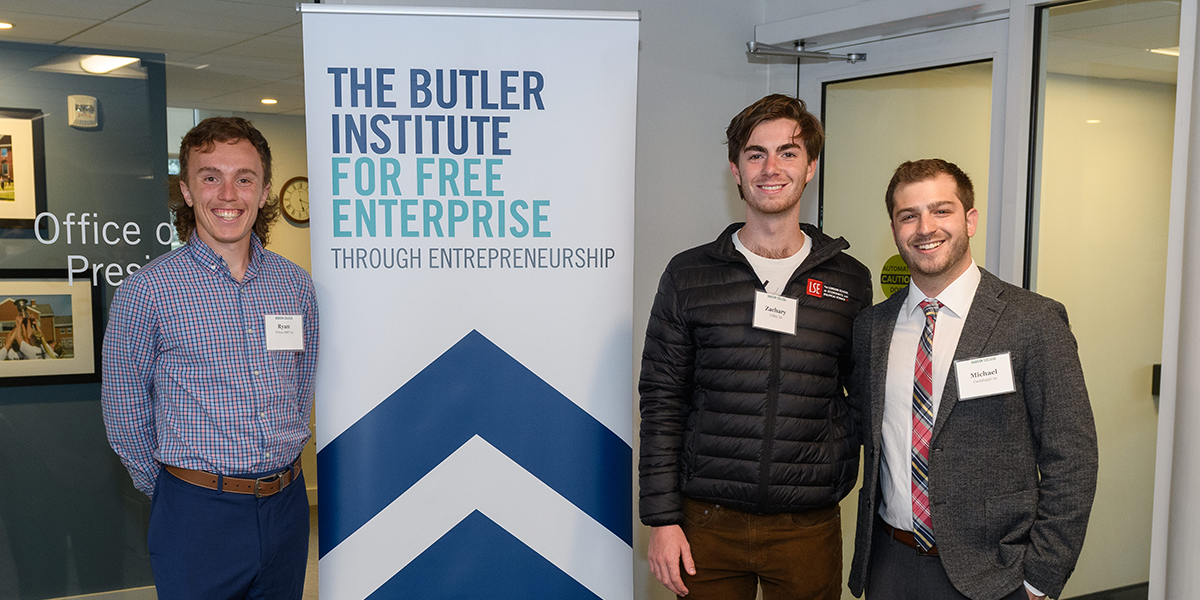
188,380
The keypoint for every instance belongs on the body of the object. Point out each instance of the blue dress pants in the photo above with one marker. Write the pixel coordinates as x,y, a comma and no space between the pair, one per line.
211,545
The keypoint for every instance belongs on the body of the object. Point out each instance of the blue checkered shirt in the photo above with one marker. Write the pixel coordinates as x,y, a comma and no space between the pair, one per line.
188,380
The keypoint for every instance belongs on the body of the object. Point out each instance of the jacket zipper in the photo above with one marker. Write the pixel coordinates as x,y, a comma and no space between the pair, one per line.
769,433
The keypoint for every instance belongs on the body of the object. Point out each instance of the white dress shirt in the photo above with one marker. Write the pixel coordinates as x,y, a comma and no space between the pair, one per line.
895,472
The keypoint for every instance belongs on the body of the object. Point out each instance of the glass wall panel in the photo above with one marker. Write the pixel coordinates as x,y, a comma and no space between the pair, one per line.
872,125
71,522
1098,237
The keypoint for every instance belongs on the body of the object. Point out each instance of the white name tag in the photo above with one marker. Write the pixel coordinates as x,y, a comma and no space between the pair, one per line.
775,313
986,376
285,333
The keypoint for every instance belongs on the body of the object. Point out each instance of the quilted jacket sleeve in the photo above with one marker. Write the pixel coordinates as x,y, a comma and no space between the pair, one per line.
666,388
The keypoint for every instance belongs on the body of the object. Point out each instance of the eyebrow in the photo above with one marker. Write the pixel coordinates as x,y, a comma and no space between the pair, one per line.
238,172
919,208
757,148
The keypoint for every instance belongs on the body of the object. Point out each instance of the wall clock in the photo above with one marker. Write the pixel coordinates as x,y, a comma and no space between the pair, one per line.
293,198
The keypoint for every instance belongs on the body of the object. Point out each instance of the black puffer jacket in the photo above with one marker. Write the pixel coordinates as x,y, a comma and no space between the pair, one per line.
744,417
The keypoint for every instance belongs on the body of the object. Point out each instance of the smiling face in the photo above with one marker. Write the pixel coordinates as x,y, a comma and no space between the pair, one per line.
773,168
225,188
932,231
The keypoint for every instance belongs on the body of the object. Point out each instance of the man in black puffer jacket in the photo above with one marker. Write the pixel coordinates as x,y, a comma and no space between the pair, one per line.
746,443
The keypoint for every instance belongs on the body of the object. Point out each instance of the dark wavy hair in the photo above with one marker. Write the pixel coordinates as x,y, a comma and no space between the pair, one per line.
916,171
769,108
203,138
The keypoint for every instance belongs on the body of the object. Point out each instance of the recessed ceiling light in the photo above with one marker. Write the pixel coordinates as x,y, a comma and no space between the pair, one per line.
5,25
1172,51
270,101
101,64
201,67
1092,121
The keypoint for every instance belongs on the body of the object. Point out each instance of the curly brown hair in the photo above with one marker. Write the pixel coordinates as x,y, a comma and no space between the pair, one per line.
202,138
916,171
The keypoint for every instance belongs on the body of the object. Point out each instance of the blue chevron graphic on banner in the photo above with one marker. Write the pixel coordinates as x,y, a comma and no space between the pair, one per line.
479,558
474,388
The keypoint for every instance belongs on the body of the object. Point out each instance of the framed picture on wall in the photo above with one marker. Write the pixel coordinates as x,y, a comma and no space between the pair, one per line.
50,328
22,167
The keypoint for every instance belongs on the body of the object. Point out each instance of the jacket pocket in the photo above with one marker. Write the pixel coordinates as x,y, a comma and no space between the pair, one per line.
1009,518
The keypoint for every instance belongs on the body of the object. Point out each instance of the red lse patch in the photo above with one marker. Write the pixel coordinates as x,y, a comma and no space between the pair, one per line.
815,288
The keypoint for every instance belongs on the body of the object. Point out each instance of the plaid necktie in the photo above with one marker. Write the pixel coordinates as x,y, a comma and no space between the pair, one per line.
922,428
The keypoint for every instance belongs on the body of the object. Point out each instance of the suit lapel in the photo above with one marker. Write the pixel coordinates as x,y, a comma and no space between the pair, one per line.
883,325
986,309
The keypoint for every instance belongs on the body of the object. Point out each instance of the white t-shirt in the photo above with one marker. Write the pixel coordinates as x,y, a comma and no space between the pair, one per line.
774,272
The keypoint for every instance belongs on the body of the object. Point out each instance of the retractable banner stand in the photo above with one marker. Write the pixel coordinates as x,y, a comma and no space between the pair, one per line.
471,189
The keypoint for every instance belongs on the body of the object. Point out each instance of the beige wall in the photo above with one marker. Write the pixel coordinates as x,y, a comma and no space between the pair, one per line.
1102,246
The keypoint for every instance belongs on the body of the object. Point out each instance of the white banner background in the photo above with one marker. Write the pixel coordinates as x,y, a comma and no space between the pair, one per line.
380,327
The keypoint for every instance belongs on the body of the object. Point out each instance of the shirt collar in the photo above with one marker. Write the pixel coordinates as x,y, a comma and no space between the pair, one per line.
212,261
956,297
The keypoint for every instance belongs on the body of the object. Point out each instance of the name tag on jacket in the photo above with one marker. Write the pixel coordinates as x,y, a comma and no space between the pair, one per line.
984,376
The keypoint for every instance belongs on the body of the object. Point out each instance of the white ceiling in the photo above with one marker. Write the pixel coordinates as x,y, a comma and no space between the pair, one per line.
221,54
1112,38
230,54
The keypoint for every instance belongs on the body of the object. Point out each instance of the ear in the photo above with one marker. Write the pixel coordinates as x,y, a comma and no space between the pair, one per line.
972,222
737,176
187,194
266,193
812,170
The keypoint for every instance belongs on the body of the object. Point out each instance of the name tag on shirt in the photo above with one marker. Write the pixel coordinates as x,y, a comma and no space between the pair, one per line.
285,333
775,313
986,376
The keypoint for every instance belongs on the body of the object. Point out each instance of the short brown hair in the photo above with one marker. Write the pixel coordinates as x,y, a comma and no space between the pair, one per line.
769,108
202,138
925,169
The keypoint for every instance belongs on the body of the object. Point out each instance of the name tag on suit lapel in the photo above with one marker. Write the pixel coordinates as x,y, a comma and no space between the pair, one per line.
984,376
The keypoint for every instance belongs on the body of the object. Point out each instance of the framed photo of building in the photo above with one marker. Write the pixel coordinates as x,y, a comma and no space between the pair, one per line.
50,328
22,167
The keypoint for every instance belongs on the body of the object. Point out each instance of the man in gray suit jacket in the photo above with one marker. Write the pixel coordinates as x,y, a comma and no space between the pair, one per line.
979,447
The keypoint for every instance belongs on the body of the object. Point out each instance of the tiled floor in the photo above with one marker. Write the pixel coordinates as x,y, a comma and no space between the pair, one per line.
1130,592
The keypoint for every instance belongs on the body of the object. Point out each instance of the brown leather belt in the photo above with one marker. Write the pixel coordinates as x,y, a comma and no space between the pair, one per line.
260,488
907,538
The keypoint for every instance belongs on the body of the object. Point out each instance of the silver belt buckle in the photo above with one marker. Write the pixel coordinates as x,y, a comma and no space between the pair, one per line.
268,479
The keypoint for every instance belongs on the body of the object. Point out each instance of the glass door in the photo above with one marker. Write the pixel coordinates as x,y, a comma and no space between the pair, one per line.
1097,231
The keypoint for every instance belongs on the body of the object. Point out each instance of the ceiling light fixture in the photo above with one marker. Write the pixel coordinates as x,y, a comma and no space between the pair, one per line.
100,64
270,101
5,25
1172,51
1092,121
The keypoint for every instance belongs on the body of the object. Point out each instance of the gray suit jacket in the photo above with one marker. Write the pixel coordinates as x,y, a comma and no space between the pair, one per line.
1012,476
